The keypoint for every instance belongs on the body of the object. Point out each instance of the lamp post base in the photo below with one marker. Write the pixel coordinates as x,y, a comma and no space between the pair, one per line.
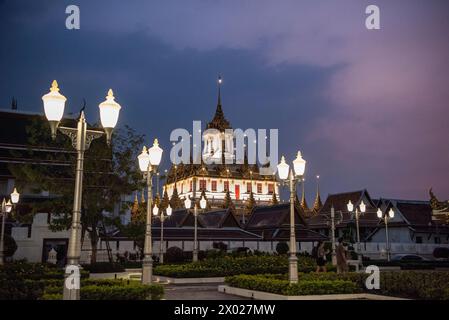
72,278
195,255
293,269
147,271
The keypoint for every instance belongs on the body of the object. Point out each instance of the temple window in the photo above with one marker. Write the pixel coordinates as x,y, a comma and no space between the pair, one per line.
214,185
259,188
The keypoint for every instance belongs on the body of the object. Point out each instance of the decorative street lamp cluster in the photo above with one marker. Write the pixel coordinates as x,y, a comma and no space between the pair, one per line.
168,211
6,208
188,205
386,216
54,103
148,162
357,213
291,178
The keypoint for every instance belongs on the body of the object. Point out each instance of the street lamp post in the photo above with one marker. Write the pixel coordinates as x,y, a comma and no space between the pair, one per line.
334,254
6,208
81,137
288,177
350,208
331,221
386,216
162,217
188,204
148,161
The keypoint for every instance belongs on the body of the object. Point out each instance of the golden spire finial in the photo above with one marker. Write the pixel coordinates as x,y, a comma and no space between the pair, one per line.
54,86
110,94
156,142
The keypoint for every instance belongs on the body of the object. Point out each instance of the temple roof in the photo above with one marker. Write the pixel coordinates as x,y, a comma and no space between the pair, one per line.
236,171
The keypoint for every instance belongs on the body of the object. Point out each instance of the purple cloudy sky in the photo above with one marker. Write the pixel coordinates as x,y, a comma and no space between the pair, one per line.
369,109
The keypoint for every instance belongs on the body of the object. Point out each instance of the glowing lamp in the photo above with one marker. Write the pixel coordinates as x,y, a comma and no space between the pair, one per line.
203,203
54,103
391,213
109,111
187,203
350,206
155,210
15,196
8,206
379,213
155,153
169,210
144,160
283,168
362,207
299,164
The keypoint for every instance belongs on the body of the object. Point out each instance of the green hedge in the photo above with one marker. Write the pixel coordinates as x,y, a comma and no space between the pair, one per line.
28,281
303,287
104,267
428,285
108,289
227,266
424,285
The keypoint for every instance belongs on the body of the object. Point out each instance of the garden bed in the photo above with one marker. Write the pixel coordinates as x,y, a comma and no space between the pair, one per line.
228,266
426,285
32,281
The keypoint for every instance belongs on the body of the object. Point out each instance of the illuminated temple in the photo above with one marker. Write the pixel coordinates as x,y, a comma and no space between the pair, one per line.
239,186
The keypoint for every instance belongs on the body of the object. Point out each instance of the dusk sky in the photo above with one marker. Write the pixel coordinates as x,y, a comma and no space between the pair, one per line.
368,108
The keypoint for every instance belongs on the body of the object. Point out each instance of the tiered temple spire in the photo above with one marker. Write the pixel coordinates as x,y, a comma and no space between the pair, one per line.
219,121
303,203
317,205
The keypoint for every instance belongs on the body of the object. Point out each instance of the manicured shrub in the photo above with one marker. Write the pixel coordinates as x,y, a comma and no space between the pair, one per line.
20,289
441,253
107,289
220,246
126,292
319,287
280,286
51,296
174,255
104,267
282,248
214,254
229,265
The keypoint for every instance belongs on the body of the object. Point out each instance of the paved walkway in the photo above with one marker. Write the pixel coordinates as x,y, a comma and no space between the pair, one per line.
196,292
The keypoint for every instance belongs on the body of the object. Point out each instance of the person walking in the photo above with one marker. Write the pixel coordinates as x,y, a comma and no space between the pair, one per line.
342,260
321,258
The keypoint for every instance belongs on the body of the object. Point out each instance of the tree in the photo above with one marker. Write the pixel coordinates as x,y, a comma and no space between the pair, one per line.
274,199
10,245
109,172
282,248
251,202
228,201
